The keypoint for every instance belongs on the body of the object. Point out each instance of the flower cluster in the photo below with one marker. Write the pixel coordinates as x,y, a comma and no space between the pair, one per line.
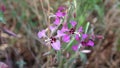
65,33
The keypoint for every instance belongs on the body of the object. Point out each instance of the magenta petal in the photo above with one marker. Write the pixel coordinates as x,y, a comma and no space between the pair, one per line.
73,23
80,29
56,45
77,37
60,33
90,43
3,65
41,34
66,38
57,21
84,36
65,28
75,47
52,28
2,8
60,14
61,8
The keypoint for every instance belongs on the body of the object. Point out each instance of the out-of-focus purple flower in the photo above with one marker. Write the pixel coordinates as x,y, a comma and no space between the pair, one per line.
3,65
41,34
52,28
66,38
2,8
64,28
60,33
68,32
84,36
56,45
54,41
57,21
87,43
61,8
77,37
80,29
90,43
73,23
75,47
60,14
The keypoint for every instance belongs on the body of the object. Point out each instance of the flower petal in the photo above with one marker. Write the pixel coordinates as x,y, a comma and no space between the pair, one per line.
60,14
66,38
77,37
52,28
80,29
61,8
73,23
84,36
60,33
3,65
64,28
56,45
41,34
75,47
90,43
57,21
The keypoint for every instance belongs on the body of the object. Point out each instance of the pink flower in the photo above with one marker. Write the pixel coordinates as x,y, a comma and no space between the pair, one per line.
75,47
57,21
54,40
73,23
41,34
60,14
66,38
3,65
2,8
84,36
56,45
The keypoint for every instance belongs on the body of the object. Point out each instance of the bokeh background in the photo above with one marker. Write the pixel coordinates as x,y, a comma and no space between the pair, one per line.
23,49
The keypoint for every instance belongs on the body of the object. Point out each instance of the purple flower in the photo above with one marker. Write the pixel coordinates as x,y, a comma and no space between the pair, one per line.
87,43
80,29
2,8
52,28
3,65
66,38
84,36
73,23
41,34
56,45
65,28
90,43
61,8
57,21
75,47
60,33
69,32
54,40
60,14
77,37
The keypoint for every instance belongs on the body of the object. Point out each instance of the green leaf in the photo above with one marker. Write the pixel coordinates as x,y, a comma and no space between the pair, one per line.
87,26
83,57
